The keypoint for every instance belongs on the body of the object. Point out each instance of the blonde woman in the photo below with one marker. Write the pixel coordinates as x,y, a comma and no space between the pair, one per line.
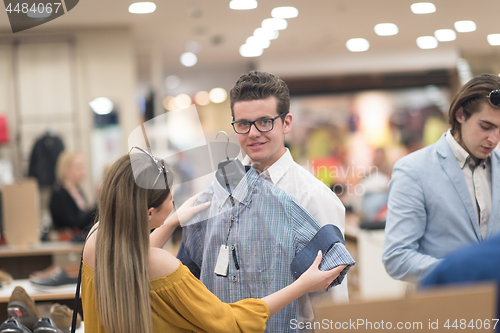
130,287
68,205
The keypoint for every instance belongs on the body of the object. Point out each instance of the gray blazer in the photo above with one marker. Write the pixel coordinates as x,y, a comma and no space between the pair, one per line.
431,212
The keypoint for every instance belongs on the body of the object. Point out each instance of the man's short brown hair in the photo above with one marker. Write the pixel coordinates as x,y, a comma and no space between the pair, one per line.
261,85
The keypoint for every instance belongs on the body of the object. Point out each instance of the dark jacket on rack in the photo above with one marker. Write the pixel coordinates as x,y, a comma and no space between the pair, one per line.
43,159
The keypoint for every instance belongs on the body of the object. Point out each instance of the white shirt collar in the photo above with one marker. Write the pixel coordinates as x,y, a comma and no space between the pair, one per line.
276,171
460,153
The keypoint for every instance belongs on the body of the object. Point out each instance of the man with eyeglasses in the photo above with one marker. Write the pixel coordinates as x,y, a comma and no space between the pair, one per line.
260,105
447,195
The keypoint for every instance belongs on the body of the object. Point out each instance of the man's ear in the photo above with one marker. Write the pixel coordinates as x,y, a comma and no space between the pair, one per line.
287,123
459,115
150,213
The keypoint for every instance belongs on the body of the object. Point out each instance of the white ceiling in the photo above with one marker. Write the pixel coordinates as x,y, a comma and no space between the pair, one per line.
313,43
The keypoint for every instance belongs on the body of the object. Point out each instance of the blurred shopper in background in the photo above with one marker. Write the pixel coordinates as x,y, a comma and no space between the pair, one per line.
446,195
71,214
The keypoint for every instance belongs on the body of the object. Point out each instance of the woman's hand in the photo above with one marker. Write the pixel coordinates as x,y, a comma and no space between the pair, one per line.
160,236
187,210
314,280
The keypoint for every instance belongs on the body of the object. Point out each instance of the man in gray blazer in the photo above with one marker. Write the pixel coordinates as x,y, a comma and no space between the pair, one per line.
447,195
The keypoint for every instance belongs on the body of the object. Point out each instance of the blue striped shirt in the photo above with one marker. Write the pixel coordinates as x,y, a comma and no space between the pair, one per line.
264,229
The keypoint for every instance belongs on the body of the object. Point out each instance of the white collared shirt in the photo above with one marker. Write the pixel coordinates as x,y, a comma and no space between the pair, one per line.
478,179
319,200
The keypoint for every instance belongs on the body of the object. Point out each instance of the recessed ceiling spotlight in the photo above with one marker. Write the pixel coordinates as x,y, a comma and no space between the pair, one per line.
465,26
250,51
284,12
357,45
189,59
494,39
274,24
142,8
243,4
172,82
260,43
266,33
445,35
193,46
101,105
423,8
386,29
427,42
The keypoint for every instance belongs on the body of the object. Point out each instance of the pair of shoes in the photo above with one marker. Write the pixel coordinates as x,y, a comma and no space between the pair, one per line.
13,325
44,273
58,277
63,317
22,307
45,325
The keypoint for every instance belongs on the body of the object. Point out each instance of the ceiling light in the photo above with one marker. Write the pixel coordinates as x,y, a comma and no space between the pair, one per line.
172,82
445,35
217,95
142,8
465,26
427,42
202,98
182,101
193,46
274,24
101,105
386,29
284,12
494,39
250,51
189,59
266,33
258,42
423,8
357,45
243,4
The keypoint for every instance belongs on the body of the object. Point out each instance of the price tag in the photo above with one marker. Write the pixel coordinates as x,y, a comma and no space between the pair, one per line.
222,265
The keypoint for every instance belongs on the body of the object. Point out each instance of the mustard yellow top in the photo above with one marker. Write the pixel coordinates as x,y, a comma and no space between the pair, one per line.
181,303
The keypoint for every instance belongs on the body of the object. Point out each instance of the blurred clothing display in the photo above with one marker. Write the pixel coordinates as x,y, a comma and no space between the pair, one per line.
429,198
43,159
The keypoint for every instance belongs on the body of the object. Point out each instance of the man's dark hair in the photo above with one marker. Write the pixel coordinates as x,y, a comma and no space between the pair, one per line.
261,85
471,97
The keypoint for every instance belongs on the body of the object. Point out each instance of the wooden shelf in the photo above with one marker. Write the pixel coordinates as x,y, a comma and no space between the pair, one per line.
38,294
40,249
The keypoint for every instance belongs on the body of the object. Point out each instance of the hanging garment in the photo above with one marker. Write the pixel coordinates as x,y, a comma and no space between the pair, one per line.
263,229
43,159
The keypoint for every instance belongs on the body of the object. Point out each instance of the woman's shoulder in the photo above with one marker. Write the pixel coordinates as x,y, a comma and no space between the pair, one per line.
161,263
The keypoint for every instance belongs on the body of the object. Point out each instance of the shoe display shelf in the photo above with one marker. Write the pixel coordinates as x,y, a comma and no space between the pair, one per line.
20,261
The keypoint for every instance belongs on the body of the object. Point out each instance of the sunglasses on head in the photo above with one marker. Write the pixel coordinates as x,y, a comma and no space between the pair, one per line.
494,97
161,169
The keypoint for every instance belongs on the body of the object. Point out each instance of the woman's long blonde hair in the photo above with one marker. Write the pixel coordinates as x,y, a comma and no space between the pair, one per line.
122,246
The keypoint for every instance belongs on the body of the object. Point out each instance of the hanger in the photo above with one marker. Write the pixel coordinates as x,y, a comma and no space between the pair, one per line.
229,171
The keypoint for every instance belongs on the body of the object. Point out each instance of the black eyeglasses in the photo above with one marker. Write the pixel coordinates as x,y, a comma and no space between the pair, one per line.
494,97
161,170
262,125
